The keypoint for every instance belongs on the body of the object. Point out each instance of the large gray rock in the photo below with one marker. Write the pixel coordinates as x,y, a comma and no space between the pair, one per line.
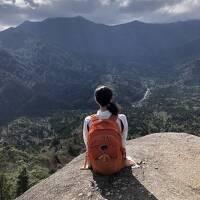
170,170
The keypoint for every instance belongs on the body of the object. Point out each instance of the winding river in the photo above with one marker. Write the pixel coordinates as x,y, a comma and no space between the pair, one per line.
146,96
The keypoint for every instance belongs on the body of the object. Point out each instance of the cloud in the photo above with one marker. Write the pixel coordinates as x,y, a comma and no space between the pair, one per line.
31,3
14,12
185,6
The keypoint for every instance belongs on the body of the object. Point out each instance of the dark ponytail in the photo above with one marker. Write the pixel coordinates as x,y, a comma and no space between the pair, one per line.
113,108
103,96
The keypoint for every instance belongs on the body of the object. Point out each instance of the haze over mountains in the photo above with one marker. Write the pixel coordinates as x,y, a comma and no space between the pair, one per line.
55,64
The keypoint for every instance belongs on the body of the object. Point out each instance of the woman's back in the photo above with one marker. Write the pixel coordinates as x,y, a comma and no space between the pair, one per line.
105,135
121,120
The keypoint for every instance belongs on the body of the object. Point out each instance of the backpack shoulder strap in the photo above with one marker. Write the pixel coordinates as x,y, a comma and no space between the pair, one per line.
122,125
114,118
93,116
92,120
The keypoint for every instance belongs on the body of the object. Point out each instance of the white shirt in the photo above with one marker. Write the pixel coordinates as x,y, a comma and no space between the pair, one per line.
105,115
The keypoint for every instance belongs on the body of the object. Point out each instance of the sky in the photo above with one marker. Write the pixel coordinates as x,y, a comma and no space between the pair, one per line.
111,12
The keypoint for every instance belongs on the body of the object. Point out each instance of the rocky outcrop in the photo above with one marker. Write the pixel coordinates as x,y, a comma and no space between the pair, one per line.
169,170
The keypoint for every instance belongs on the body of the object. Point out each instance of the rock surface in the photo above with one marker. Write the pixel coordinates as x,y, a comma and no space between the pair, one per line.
169,170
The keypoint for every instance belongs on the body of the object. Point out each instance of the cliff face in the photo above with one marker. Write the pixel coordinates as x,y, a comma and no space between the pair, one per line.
169,171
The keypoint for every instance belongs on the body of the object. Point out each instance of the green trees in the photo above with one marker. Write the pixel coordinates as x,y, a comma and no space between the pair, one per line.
4,188
22,182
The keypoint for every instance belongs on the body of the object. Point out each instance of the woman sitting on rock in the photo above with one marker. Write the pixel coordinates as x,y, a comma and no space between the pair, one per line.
105,136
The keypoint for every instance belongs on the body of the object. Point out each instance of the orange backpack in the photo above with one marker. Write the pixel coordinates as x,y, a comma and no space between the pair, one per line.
105,151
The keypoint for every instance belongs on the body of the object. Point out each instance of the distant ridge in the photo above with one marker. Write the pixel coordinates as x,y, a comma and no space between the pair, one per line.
81,18
152,43
57,19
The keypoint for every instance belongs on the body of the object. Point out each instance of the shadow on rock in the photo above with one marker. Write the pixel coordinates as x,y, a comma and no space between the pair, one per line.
122,185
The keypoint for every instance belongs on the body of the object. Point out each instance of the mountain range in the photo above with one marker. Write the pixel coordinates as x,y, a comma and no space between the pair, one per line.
55,64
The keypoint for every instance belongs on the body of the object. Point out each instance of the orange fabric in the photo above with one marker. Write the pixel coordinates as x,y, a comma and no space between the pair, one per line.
105,151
